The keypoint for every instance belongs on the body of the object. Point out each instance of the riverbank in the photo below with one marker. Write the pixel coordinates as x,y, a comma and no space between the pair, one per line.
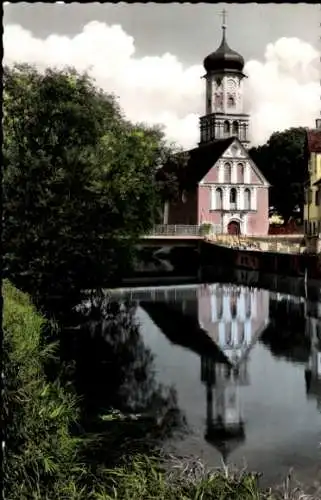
297,265
60,463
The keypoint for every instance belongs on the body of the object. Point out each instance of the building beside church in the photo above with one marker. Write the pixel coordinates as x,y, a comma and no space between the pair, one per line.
312,205
222,185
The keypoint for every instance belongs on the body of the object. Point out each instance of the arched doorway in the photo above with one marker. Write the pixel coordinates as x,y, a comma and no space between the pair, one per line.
233,227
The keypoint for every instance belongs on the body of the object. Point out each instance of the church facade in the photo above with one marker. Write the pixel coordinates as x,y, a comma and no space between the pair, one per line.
225,187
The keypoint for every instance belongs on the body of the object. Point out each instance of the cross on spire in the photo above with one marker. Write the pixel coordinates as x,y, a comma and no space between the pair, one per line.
224,16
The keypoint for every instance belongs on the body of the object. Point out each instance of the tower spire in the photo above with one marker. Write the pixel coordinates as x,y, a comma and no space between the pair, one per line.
224,16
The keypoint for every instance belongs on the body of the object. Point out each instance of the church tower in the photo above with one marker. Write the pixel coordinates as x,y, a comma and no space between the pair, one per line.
224,110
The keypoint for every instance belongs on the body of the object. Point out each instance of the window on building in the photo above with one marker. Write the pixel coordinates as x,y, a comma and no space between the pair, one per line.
241,333
247,199
235,128
219,304
233,198
228,172
218,101
233,307
242,132
228,334
307,196
227,371
227,127
248,305
230,101
240,172
219,199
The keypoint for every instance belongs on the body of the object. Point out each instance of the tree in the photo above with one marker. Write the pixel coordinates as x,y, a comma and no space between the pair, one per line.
79,180
282,161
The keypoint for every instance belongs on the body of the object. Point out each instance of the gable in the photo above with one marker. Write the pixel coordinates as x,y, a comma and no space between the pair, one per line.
235,154
205,163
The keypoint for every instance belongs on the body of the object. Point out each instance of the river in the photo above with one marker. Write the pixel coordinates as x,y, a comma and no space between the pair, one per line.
245,364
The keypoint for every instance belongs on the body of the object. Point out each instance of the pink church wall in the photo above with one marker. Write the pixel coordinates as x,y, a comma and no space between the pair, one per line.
205,214
212,175
254,179
184,212
258,222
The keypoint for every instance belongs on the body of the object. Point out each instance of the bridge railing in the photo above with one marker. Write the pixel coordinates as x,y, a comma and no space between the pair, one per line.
180,230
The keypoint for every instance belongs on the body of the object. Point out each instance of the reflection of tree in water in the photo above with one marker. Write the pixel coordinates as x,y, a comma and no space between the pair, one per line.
285,334
112,368
115,369
182,259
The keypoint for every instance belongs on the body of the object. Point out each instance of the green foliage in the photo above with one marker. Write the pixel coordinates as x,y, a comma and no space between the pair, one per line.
148,479
205,228
282,161
40,455
172,178
79,180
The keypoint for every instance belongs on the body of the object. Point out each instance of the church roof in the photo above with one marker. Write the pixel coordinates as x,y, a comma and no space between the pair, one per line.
202,158
224,58
199,162
225,446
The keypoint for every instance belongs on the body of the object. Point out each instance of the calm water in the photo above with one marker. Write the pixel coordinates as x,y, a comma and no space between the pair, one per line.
246,367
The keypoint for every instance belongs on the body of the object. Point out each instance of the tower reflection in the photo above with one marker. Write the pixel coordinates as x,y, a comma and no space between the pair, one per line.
234,317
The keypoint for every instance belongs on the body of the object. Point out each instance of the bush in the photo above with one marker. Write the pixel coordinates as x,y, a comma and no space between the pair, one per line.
206,228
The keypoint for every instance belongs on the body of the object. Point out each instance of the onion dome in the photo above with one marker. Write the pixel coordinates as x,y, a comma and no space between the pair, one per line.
224,58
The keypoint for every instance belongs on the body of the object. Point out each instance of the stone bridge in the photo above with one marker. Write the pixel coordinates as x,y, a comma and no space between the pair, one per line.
212,234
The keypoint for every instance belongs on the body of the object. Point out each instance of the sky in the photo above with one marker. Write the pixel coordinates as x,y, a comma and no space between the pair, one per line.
150,56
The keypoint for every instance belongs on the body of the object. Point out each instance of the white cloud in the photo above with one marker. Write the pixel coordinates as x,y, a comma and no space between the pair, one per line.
281,91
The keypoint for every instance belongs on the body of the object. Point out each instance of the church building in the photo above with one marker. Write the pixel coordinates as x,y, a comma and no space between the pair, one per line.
222,185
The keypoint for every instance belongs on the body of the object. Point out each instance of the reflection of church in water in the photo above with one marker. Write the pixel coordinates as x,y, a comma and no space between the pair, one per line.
313,370
234,317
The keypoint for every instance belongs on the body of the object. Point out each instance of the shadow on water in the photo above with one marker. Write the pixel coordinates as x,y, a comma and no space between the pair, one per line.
112,372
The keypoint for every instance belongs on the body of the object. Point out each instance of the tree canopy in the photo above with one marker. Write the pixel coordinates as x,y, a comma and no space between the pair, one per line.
79,179
282,161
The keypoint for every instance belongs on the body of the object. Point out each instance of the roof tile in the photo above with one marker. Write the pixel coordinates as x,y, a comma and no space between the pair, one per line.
314,141
200,160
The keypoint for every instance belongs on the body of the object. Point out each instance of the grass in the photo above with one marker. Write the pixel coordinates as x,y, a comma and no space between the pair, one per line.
43,460
188,479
